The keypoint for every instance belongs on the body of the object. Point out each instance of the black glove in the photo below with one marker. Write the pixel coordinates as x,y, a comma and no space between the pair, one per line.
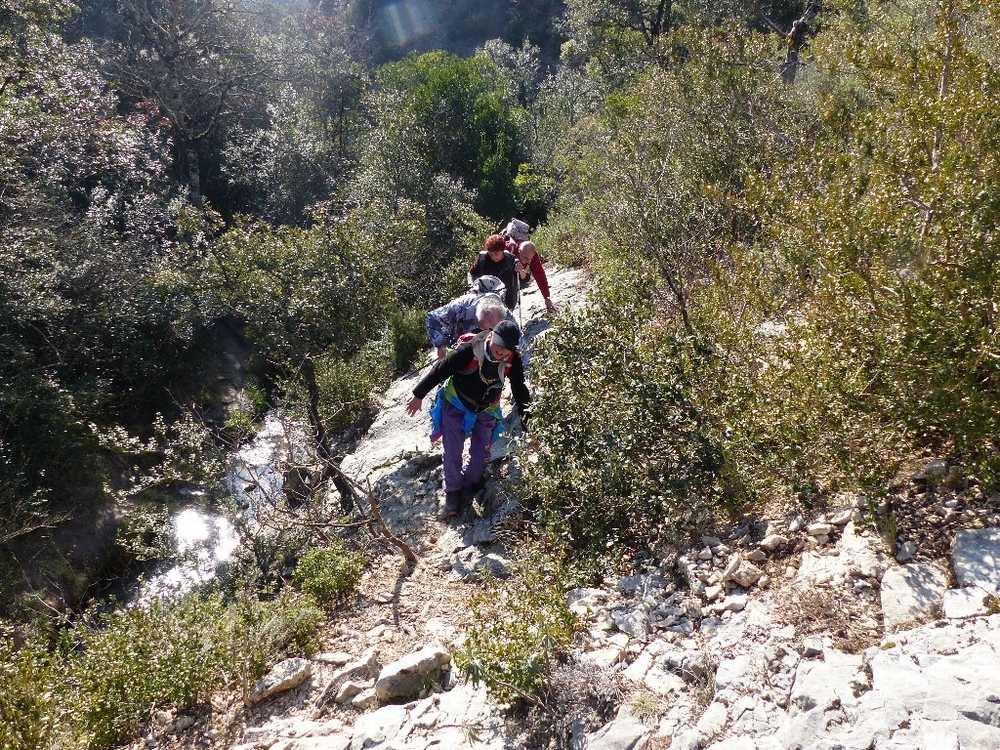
523,413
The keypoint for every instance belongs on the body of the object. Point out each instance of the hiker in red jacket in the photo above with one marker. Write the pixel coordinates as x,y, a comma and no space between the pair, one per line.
529,266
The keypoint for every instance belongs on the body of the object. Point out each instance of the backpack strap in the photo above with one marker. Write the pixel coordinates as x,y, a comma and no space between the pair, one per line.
479,349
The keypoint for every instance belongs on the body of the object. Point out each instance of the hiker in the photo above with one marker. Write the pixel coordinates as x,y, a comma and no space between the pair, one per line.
494,260
467,406
529,262
528,266
446,323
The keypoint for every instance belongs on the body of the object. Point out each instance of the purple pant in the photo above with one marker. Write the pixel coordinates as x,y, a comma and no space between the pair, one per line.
460,471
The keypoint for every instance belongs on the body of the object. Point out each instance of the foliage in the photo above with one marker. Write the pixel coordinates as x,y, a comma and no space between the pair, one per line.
182,453
31,709
138,658
463,126
329,574
101,680
619,36
257,632
624,460
534,194
201,63
519,626
867,307
89,336
312,124
348,388
408,334
653,182
301,291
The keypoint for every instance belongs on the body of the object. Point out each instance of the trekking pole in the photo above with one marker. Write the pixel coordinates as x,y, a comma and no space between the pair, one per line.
517,281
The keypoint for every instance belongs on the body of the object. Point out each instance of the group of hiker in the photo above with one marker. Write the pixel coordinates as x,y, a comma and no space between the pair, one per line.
477,338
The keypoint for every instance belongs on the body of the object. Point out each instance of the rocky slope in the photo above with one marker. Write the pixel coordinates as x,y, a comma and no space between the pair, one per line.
780,633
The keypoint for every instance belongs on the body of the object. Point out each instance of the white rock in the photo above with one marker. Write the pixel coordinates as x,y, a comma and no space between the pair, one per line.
773,542
285,675
405,677
967,602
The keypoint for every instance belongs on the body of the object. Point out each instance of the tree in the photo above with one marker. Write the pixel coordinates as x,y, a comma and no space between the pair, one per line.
467,129
90,336
874,264
200,62
619,35
443,152
306,143
654,181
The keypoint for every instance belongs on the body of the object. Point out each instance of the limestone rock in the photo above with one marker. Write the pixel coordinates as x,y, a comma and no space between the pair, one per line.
285,675
405,678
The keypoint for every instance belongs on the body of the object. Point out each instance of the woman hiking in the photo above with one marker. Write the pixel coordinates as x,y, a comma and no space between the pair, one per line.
468,405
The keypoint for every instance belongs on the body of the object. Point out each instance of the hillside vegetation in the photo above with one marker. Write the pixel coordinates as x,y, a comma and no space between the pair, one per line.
790,212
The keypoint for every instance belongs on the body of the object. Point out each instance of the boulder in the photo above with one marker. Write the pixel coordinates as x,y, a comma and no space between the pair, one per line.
405,678
285,675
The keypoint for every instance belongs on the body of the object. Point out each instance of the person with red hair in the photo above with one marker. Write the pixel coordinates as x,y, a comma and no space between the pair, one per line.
494,260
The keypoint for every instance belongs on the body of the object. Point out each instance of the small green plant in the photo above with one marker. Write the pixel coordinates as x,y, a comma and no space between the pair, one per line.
519,627
471,732
646,705
96,682
329,574
408,336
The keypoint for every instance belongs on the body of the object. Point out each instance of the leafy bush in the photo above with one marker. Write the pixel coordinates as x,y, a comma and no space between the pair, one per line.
134,659
862,316
329,574
624,460
409,337
31,702
519,626
256,633
99,682
348,388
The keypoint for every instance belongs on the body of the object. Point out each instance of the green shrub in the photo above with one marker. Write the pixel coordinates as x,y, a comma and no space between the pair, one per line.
408,333
624,461
32,704
519,626
135,659
97,685
348,388
257,633
329,574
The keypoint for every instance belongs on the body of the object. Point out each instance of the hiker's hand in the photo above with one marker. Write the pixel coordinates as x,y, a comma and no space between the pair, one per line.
442,351
550,305
414,406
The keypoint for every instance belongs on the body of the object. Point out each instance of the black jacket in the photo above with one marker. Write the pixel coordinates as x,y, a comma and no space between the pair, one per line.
502,269
479,388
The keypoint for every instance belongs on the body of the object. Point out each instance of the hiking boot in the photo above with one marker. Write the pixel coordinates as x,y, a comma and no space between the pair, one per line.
452,503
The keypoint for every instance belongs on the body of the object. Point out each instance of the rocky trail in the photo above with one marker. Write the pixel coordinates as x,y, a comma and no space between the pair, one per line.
783,633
